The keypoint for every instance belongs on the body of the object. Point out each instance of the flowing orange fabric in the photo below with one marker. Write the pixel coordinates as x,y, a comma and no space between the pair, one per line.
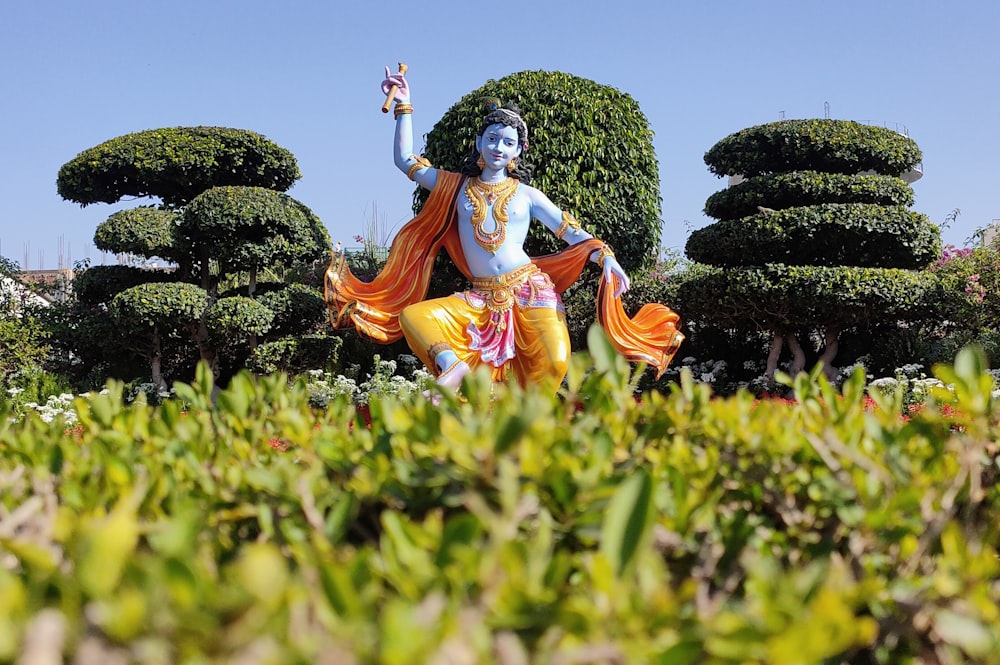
373,308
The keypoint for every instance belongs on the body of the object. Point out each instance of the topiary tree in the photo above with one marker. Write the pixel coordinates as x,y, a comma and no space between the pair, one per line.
592,153
815,239
149,312
222,217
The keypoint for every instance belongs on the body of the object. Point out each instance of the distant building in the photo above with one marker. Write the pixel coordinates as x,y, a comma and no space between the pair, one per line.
14,296
56,285
991,234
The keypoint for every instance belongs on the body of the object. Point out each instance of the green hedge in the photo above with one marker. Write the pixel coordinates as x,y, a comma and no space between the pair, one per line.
803,188
836,146
254,226
99,284
144,231
831,234
509,527
175,164
295,354
790,298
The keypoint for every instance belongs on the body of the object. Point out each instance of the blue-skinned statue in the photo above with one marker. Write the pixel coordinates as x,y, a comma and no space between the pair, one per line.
512,318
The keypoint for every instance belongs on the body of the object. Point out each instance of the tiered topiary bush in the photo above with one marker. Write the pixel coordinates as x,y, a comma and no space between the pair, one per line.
223,218
816,239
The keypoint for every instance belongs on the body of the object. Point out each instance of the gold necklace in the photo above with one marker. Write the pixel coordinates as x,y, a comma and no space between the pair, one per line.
482,195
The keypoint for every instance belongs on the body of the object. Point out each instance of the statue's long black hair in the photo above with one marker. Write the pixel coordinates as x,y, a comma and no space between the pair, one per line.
496,115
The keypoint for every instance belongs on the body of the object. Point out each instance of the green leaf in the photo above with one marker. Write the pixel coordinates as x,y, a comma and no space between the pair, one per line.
627,519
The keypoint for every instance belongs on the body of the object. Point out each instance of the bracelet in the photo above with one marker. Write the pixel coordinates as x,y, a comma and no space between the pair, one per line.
568,222
421,163
605,252
402,108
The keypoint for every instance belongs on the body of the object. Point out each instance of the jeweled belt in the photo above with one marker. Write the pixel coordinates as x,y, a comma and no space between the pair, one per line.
501,290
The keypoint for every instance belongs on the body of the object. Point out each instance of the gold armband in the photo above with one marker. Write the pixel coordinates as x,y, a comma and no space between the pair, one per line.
422,163
568,222
402,108
604,252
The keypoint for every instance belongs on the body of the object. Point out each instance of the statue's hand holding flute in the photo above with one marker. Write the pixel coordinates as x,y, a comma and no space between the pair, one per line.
395,87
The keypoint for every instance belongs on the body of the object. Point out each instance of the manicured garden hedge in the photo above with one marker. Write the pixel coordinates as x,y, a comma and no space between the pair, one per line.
834,146
829,234
804,188
508,527
175,164
784,297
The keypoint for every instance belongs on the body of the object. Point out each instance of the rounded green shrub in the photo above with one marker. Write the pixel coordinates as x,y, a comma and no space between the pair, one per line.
296,308
238,317
801,188
785,297
835,146
254,226
143,231
831,234
99,284
151,304
175,164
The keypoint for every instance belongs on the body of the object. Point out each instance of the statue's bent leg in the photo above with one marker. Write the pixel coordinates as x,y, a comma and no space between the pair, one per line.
435,331
543,347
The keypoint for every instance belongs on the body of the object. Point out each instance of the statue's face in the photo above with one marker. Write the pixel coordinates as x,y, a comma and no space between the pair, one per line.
498,145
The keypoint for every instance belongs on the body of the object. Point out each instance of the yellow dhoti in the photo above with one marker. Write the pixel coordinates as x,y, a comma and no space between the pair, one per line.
512,323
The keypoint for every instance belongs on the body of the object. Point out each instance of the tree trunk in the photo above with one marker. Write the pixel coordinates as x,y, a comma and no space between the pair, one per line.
832,344
156,362
251,287
777,342
798,355
206,272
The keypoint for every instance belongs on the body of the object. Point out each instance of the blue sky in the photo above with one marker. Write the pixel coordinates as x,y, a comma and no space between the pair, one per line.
306,75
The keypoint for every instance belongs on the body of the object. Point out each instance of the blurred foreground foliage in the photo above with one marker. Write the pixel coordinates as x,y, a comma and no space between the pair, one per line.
508,526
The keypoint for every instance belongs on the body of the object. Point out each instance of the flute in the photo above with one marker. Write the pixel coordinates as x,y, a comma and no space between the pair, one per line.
392,91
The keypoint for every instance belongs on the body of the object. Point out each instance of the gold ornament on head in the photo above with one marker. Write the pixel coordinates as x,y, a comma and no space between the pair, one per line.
483,195
493,104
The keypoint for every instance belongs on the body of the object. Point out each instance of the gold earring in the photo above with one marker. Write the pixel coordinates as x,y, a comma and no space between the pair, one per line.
480,163
511,165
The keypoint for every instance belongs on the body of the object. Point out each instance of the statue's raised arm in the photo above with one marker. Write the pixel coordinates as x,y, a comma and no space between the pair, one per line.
396,89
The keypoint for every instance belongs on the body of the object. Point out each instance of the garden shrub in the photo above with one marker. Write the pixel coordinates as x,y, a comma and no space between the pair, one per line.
827,234
827,246
175,164
800,188
830,146
677,528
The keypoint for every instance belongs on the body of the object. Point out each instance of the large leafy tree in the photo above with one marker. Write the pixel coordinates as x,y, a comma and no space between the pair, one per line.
222,217
815,238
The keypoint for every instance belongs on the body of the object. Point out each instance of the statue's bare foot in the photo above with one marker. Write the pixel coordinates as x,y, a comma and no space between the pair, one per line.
452,377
